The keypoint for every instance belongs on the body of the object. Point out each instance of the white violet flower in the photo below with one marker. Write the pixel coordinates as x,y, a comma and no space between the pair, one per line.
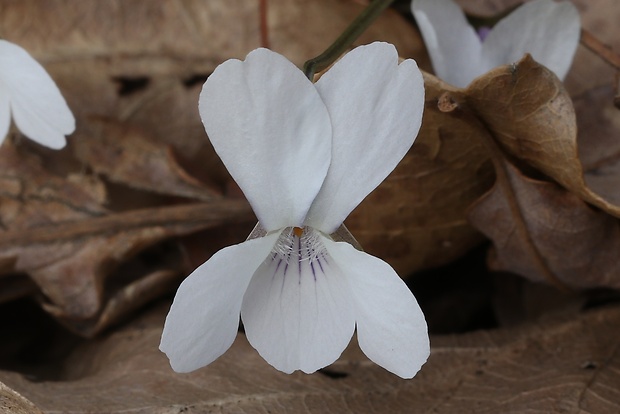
546,29
305,155
30,94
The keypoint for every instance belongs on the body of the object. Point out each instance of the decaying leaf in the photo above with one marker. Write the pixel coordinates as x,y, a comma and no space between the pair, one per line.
547,234
570,365
531,115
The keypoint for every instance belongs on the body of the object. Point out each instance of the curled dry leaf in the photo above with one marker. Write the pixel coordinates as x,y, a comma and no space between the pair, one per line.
531,115
547,234
540,230
569,364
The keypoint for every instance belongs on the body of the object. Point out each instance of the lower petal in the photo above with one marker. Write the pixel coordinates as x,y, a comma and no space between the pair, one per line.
391,328
203,320
297,310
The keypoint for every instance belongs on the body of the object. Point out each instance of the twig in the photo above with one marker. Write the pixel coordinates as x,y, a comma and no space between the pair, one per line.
342,43
607,54
599,48
617,97
264,28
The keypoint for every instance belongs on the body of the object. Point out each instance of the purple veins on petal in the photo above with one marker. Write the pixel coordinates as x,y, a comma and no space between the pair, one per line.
318,260
299,258
313,271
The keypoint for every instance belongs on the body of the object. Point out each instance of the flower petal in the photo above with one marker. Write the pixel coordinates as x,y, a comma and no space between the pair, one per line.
375,106
204,317
297,311
391,328
546,29
5,115
38,107
269,125
453,45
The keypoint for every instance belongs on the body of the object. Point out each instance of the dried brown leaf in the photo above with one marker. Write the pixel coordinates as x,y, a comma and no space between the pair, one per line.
554,365
547,234
531,115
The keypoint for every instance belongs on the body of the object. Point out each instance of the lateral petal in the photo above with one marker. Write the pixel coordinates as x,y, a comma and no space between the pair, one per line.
203,320
38,107
452,44
391,328
5,115
376,107
297,310
546,29
271,129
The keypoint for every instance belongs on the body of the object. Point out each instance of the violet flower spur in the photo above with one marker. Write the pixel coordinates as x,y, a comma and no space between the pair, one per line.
305,155
30,94
546,29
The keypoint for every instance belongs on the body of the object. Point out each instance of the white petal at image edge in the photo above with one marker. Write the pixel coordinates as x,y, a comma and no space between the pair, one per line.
376,107
204,317
271,129
391,328
38,107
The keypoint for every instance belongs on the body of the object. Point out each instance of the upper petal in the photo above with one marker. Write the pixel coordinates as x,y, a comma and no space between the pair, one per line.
391,328
375,106
271,129
297,310
38,107
546,29
204,317
453,45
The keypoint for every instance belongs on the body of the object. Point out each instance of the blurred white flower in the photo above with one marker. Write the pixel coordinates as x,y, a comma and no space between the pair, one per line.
546,29
31,96
305,155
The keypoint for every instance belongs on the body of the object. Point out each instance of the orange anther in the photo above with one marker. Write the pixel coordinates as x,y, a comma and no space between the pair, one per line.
298,231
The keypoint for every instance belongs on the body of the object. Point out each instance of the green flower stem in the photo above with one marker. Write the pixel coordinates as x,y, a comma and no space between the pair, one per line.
342,43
